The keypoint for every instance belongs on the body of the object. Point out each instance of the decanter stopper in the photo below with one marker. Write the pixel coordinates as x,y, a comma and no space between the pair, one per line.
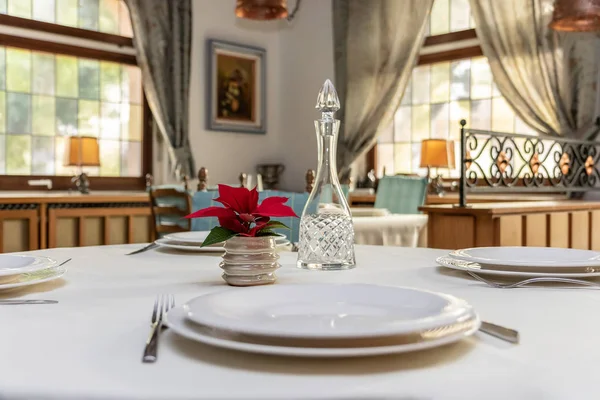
328,101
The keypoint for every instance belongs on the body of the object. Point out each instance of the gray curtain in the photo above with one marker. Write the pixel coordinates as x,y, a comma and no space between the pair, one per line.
548,78
376,45
162,37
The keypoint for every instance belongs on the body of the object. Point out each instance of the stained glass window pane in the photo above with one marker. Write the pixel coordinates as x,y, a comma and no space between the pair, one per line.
109,16
421,85
481,79
67,81
481,115
386,134
440,82
385,153
110,81
43,73
403,124
43,155
503,117
19,8
2,68
2,112
440,119
18,70
131,122
18,112
131,84
43,115
458,110
18,154
439,20
89,79
131,158
88,14
66,116
111,121
460,15
3,6
110,158
402,157
460,79
88,118
68,13
420,123
44,10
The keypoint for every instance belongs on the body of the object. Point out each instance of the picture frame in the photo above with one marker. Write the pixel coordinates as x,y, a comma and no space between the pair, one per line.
236,88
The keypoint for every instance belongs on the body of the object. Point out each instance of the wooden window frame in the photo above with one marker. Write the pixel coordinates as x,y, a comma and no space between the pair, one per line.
440,56
19,182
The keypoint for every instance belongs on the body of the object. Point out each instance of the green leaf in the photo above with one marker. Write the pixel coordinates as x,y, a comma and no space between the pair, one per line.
218,235
266,232
275,225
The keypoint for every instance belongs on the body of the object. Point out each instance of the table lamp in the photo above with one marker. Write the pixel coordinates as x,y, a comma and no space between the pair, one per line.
82,151
436,153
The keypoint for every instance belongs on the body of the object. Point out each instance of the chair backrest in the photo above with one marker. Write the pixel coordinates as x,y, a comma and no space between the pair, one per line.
401,194
169,204
202,200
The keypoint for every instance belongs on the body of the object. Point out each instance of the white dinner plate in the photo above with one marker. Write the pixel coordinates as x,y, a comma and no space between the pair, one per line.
191,246
326,310
200,236
529,256
178,322
518,271
33,278
20,264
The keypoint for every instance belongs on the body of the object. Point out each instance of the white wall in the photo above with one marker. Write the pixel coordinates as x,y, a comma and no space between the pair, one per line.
299,58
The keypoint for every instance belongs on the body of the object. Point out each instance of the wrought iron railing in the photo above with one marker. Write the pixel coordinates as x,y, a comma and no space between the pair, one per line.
496,162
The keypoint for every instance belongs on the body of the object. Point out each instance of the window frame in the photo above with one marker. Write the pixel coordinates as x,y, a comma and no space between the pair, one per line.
435,57
19,182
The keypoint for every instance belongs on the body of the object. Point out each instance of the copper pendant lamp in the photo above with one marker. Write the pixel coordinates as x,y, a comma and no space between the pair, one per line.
576,16
264,10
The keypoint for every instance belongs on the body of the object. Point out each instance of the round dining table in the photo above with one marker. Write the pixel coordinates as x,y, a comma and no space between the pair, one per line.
89,345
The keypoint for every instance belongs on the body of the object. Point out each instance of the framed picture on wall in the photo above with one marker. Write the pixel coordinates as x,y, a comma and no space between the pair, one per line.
236,88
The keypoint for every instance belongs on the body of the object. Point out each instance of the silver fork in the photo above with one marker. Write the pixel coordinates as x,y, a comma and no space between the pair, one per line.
145,248
162,305
533,280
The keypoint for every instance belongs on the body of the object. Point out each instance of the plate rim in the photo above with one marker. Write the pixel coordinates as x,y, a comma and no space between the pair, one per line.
279,235
459,309
45,262
179,329
459,255
59,271
447,262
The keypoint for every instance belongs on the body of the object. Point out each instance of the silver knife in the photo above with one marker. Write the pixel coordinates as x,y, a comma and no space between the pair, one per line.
500,332
148,247
17,302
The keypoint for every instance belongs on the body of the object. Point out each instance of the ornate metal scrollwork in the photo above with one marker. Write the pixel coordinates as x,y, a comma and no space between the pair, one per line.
505,162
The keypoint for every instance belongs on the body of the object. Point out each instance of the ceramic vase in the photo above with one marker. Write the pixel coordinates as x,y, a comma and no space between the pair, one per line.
250,261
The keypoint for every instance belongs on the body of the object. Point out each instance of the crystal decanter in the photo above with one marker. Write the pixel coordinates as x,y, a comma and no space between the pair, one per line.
326,231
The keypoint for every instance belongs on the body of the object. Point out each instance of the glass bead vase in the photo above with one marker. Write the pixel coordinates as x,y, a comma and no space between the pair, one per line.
326,239
250,261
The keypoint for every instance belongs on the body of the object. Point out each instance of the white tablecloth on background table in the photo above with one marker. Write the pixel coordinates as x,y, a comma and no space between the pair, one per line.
407,230
90,344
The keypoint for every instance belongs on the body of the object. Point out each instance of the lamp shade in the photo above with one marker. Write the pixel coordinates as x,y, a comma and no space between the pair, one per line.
82,151
437,153
261,9
576,16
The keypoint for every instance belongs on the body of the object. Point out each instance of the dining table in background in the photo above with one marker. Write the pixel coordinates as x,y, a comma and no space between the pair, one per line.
89,344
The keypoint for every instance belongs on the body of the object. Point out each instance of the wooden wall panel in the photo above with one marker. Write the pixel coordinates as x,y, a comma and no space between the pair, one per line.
558,230
93,234
451,232
511,230
595,230
141,231
117,232
535,230
16,235
580,230
67,232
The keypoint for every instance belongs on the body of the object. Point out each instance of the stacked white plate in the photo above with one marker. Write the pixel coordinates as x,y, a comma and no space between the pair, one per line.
191,241
325,320
525,261
21,270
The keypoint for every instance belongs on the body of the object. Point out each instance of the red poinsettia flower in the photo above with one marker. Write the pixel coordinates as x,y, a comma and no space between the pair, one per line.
241,210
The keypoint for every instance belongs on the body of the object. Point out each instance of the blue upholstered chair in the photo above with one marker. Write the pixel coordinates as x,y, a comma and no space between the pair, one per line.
401,194
169,205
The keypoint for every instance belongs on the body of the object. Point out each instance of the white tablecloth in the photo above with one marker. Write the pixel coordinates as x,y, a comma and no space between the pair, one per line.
89,346
407,230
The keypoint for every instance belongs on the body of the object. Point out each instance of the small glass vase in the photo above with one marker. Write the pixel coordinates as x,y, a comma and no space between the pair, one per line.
250,261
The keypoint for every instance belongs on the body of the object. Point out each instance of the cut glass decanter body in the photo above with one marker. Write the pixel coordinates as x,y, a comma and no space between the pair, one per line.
326,231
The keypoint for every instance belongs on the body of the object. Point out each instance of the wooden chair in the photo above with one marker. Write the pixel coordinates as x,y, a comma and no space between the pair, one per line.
401,194
169,206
